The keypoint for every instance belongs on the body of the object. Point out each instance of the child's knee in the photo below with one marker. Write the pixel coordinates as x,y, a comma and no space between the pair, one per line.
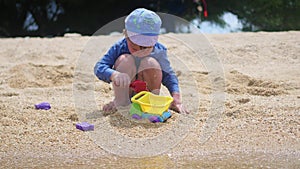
125,61
150,63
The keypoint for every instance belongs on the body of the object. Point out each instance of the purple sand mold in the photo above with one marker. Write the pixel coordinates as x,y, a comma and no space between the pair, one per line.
154,119
135,116
43,105
84,126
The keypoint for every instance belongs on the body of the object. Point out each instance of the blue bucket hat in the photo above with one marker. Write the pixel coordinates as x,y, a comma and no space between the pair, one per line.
143,26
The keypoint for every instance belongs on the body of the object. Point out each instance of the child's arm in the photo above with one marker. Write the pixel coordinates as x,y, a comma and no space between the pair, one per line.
103,68
170,80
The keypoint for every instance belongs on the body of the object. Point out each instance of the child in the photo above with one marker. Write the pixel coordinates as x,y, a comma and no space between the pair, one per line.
138,56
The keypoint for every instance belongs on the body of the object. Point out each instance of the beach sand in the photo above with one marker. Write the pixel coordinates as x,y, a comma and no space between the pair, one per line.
259,126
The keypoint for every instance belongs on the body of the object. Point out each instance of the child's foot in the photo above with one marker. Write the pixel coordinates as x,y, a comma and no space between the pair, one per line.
109,107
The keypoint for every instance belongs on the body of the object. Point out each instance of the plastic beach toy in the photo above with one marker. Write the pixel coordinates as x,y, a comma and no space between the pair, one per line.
85,126
154,119
138,86
43,105
151,103
146,105
135,116
135,109
166,115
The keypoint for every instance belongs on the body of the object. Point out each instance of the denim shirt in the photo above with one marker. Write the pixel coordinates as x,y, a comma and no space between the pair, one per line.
104,67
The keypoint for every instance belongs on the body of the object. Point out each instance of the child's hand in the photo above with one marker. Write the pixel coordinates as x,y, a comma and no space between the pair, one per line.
177,105
120,79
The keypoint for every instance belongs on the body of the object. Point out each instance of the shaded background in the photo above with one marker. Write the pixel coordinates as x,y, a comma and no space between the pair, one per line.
56,17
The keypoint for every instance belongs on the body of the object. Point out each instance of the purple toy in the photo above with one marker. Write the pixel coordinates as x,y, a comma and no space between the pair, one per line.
85,126
135,116
154,119
43,105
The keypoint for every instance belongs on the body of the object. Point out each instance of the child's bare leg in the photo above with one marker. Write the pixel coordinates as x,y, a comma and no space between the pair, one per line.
124,64
150,72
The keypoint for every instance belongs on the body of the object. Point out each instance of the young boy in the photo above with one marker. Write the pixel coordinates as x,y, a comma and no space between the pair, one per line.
138,57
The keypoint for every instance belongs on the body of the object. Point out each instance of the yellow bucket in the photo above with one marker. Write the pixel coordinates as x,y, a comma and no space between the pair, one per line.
151,103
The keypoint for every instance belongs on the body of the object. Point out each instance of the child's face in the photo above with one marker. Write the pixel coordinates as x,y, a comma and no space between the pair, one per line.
139,51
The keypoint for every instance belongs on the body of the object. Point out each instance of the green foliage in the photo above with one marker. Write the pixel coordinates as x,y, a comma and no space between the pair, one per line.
266,15
86,17
263,15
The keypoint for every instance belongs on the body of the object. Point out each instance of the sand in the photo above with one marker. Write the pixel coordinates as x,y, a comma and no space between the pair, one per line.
258,127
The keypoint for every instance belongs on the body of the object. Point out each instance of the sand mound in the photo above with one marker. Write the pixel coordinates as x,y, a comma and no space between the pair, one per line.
238,83
40,76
